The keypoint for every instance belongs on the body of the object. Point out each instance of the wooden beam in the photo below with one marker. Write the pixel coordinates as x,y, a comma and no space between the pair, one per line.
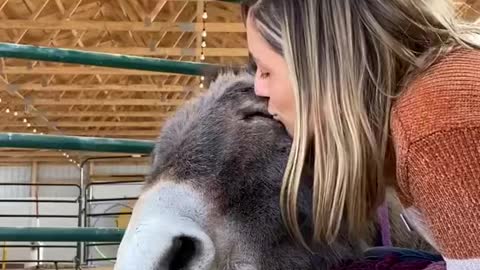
62,161
126,134
153,114
33,17
115,133
153,14
153,124
95,87
34,180
3,4
8,160
60,70
126,101
25,153
140,51
121,26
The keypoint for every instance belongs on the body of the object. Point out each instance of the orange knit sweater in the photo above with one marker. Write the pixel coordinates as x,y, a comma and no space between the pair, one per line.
436,133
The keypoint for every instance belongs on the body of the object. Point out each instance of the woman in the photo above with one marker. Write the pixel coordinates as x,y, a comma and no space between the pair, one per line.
376,90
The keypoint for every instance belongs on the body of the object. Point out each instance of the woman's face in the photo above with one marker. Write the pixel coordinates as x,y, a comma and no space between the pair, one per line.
272,78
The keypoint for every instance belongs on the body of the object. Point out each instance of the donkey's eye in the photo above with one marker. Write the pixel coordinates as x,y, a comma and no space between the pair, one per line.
251,115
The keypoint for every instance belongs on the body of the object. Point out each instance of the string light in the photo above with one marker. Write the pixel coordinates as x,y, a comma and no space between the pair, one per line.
68,157
24,120
204,42
34,130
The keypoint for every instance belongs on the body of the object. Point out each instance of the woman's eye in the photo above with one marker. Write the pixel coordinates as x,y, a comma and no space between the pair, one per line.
264,75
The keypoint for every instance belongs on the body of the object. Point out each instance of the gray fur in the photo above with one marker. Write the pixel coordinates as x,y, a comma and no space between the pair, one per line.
236,162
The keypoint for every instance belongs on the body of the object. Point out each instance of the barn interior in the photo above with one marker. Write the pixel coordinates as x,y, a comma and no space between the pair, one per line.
59,167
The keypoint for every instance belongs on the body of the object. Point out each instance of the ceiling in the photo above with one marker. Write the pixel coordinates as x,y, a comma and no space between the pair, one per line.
67,99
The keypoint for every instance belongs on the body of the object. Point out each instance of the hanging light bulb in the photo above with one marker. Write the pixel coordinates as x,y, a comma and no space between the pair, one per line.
202,56
34,130
204,44
204,33
24,120
205,15
15,113
201,85
29,125
7,110
41,133
202,78
0,99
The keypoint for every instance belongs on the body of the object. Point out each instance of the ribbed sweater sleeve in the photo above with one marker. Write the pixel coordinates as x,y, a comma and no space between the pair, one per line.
436,133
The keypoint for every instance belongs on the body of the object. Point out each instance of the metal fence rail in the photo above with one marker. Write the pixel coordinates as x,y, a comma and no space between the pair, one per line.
71,56
92,144
35,234
89,199
14,234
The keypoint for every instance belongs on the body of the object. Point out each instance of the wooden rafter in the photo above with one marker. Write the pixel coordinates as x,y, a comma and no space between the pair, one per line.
109,102
120,26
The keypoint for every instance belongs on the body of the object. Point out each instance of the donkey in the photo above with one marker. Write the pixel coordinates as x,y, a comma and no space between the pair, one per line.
212,198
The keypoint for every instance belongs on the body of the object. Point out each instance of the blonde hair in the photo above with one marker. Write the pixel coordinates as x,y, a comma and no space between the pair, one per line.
347,60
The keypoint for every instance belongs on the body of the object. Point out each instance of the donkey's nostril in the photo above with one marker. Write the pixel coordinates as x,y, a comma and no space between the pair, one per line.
182,252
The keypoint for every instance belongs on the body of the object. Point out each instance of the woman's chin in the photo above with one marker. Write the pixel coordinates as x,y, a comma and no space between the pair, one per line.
288,128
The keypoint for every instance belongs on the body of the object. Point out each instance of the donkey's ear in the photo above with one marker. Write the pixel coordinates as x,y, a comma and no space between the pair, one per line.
251,65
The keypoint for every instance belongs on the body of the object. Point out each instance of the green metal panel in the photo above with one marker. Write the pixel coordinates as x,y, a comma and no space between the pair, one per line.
92,144
26,234
104,59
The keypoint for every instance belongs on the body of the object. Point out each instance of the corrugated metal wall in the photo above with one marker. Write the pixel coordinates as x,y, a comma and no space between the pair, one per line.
48,173
55,173
15,174
121,169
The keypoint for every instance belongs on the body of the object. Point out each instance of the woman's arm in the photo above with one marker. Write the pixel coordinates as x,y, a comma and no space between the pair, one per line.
436,133
444,183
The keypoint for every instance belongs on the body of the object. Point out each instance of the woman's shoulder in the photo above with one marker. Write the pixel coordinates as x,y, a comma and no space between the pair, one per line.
444,96
435,124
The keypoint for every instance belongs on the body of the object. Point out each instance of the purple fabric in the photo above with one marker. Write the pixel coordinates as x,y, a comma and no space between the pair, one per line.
437,266
387,263
382,213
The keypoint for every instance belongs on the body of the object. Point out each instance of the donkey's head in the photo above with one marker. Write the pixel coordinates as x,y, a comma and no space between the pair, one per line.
213,198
